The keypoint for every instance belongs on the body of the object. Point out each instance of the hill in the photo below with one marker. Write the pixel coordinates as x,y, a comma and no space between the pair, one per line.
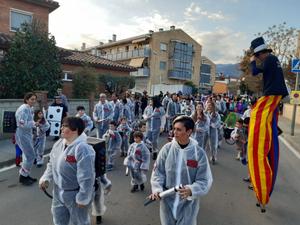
231,70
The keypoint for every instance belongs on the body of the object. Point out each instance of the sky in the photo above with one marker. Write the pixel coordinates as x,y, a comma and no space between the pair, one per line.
223,27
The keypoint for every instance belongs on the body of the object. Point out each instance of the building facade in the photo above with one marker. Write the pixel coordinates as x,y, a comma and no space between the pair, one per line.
13,13
164,58
73,61
16,12
207,75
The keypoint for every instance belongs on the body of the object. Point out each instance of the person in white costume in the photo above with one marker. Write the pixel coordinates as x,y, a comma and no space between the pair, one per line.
71,168
181,162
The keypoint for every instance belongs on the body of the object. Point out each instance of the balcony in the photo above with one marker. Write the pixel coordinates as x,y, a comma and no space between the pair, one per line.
180,75
142,72
137,53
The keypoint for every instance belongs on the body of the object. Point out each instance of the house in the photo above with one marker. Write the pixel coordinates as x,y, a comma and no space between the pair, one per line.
164,58
72,61
13,13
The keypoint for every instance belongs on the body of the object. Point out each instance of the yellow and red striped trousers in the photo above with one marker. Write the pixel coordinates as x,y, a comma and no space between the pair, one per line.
263,146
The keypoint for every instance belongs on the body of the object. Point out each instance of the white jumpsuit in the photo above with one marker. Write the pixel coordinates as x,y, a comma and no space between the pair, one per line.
175,166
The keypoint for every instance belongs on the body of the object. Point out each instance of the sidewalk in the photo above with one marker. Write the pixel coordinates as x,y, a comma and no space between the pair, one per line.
8,152
285,124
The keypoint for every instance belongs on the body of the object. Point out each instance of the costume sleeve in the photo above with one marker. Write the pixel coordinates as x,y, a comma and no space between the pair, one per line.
254,69
48,174
203,180
145,158
158,177
118,140
85,156
90,124
45,126
95,117
23,119
111,112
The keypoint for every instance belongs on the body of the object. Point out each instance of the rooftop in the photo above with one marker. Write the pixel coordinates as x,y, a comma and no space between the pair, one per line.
81,58
50,4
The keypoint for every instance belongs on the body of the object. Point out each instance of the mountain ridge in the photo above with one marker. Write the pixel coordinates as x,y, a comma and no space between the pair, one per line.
229,70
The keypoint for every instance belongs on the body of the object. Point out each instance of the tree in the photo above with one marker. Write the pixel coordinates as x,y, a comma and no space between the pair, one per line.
84,82
32,63
282,40
117,84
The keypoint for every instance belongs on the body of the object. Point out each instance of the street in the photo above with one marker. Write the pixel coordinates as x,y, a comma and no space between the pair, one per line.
229,201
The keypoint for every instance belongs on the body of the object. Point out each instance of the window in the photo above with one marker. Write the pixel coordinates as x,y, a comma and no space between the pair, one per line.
17,18
162,65
205,68
181,60
67,76
163,47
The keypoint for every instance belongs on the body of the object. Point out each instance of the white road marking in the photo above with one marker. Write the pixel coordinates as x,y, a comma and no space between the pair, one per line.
13,166
291,148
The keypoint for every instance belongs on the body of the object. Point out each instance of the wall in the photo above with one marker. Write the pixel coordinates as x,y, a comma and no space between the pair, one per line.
38,12
13,104
288,112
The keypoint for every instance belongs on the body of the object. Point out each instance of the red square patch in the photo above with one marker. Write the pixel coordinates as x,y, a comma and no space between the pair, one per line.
138,152
192,163
71,159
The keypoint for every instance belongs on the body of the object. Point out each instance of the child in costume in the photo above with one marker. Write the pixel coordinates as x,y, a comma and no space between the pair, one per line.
138,162
86,119
39,136
125,130
114,142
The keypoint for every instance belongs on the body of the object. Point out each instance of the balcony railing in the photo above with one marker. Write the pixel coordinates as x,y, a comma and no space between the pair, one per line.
137,53
142,72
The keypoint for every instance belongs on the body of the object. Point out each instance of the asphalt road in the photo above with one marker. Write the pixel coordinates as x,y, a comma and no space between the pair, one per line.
229,202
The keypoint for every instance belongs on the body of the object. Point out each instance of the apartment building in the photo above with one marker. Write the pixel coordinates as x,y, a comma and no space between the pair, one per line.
165,59
207,75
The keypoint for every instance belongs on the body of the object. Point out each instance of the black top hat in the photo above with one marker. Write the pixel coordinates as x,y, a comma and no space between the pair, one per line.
258,45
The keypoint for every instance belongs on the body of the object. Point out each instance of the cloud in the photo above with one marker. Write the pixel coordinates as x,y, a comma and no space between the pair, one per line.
194,12
220,45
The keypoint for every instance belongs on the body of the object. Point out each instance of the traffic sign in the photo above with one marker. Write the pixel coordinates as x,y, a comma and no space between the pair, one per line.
296,65
295,97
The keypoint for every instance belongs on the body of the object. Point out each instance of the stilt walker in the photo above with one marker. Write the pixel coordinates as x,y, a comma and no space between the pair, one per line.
263,147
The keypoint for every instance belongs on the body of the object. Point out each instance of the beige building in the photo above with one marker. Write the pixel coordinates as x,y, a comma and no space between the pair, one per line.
165,59
207,75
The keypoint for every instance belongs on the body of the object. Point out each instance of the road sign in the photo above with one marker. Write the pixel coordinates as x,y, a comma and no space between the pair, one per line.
296,65
295,97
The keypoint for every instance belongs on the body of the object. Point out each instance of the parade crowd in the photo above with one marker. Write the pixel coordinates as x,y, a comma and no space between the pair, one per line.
131,127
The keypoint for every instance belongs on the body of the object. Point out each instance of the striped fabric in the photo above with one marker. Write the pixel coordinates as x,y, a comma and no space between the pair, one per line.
263,147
